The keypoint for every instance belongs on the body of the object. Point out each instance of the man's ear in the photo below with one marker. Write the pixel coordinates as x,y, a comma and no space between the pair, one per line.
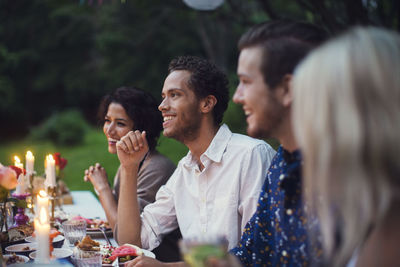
208,103
286,93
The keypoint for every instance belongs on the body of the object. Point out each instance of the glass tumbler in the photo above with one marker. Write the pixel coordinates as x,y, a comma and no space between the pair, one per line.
197,251
91,259
74,230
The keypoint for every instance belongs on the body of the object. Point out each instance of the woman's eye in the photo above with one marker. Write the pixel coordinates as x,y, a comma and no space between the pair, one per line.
106,120
121,124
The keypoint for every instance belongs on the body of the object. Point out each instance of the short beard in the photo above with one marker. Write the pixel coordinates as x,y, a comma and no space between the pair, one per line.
186,134
190,131
273,119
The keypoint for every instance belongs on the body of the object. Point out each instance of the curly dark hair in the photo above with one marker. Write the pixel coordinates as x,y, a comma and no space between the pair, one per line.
141,107
284,44
205,79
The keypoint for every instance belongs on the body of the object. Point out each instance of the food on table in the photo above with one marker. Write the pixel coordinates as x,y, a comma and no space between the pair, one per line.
106,252
93,223
125,253
88,244
26,248
86,247
20,232
13,259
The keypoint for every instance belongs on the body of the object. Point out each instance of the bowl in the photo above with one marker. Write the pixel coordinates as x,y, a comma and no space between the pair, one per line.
21,249
58,241
21,259
58,253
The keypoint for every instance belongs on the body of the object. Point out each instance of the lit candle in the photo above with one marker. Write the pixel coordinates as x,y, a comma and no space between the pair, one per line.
21,185
30,161
42,201
21,178
42,232
17,163
50,171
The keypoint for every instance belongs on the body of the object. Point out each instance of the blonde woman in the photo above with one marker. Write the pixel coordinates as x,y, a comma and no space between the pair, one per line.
347,122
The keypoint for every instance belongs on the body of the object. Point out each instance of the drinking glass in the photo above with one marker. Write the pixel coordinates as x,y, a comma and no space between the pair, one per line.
197,251
74,230
91,259
6,216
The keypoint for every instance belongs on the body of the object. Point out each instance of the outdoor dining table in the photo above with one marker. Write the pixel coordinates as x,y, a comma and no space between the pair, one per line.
87,205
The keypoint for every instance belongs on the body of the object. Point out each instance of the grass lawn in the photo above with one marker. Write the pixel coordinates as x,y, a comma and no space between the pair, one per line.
93,149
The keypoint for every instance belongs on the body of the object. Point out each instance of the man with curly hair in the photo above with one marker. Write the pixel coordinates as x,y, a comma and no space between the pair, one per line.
215,187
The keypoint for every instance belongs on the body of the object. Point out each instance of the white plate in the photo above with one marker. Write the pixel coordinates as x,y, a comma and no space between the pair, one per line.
19,248
6,256
58,253
55,239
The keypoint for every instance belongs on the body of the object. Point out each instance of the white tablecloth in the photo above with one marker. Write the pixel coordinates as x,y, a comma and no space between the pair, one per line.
85,204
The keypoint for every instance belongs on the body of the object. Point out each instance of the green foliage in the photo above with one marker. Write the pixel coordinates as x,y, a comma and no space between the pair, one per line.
61,54
64,128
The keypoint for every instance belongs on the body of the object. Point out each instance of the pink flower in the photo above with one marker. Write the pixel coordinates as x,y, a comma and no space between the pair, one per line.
8,177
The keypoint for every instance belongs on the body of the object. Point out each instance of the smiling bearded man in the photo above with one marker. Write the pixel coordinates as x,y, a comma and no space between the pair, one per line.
277,233
214,190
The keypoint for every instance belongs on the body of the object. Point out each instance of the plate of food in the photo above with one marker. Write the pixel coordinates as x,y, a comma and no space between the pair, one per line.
86,247
15,235
58,253
94,225
58,241
24,248
124,253
11,259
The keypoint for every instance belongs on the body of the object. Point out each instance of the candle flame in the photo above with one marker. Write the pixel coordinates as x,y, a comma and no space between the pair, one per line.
16,159
43,216
42,194
29,154
50,157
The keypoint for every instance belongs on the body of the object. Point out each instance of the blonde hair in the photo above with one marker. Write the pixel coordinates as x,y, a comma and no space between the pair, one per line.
347,121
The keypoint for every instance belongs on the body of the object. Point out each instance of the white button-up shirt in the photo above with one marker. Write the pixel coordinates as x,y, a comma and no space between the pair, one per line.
217,201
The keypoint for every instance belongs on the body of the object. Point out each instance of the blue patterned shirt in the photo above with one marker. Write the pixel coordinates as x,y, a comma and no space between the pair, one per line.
276,234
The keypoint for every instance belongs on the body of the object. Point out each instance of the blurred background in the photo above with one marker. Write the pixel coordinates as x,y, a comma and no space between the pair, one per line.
59,57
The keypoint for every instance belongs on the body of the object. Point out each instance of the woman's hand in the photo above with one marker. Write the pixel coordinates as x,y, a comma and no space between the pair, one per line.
97,176
132,148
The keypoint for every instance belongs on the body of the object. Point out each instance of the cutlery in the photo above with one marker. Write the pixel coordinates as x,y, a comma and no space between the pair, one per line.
103,230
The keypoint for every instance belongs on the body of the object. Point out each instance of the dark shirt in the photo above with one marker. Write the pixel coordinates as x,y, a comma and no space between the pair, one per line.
276,234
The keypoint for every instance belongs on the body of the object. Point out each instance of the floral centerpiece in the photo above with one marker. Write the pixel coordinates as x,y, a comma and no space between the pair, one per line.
62,189
8,181
60,165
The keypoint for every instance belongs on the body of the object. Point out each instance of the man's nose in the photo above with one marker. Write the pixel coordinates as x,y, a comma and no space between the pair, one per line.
163,105
238,95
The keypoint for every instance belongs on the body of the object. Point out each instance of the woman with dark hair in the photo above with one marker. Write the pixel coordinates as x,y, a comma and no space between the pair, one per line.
129,109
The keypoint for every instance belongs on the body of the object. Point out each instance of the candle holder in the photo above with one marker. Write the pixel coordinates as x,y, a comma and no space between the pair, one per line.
52,192
20,218
30,187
